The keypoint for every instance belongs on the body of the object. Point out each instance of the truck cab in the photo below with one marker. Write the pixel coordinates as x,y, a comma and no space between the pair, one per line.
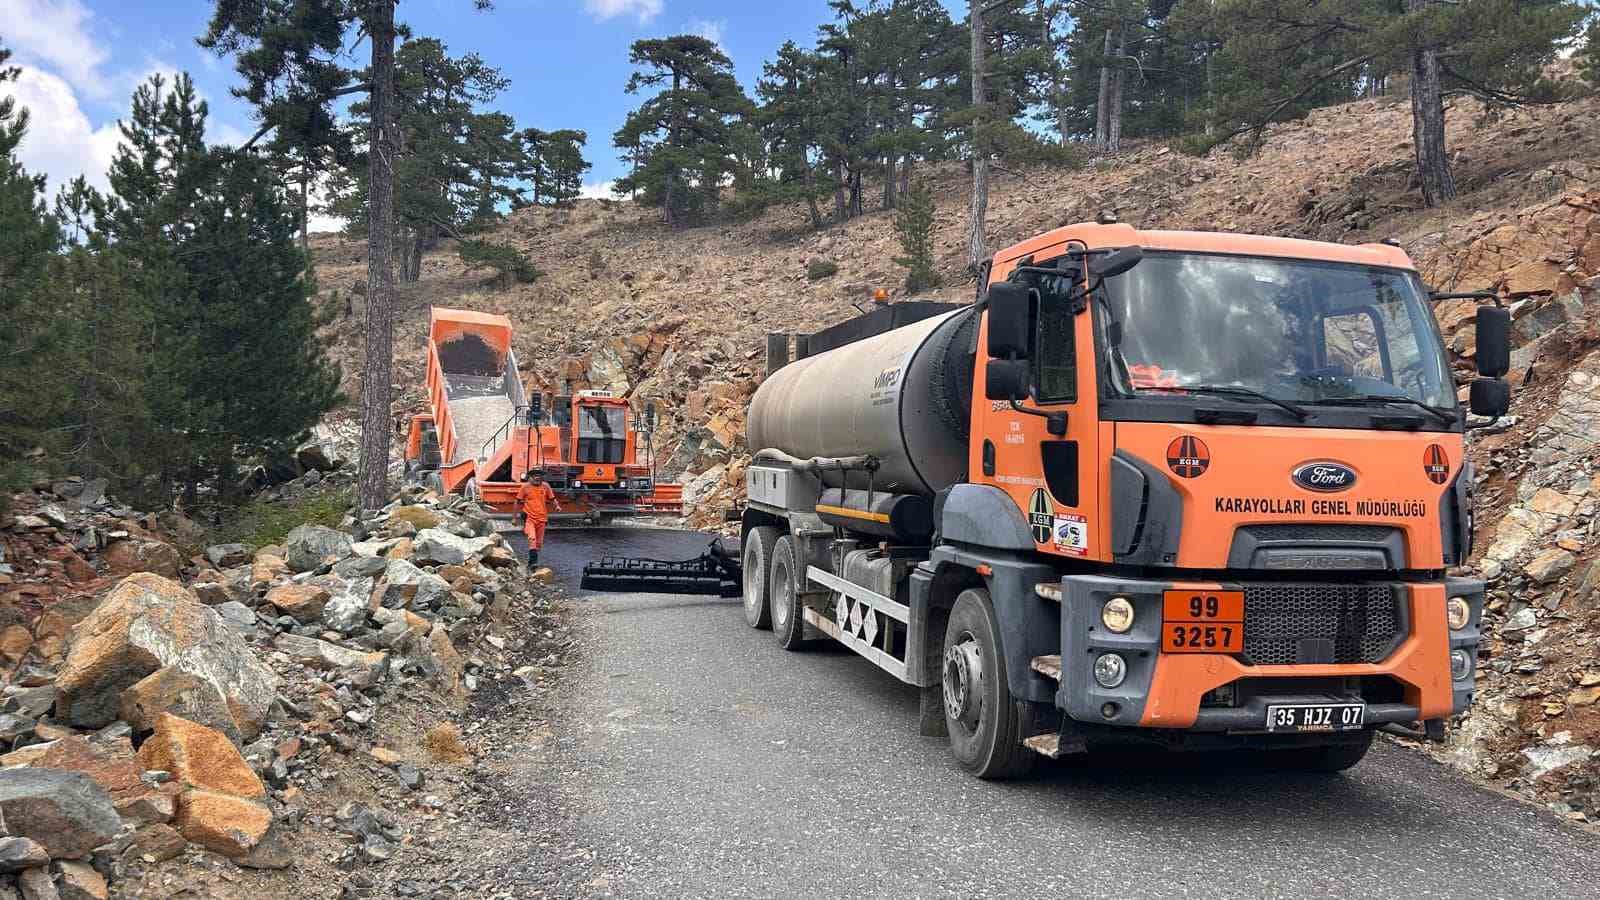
1209,490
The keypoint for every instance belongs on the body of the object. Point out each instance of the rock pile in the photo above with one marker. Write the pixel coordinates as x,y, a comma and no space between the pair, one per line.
145,718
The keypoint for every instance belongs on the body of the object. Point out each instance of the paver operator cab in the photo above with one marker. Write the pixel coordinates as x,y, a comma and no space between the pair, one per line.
1195,491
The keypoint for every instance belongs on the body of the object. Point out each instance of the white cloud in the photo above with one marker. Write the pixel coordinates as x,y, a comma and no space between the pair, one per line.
61,141
605,10
709,29
605,190
55,33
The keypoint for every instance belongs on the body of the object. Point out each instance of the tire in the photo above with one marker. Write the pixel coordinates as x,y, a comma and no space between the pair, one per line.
783,595
757,566
1329,759
986,724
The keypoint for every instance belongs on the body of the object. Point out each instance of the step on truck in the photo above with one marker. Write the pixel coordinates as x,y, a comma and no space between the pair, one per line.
1167,489
483,431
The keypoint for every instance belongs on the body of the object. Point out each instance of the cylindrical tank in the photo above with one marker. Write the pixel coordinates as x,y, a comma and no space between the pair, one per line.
903,396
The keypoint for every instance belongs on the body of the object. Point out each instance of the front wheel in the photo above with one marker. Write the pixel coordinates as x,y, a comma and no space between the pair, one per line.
757,565
1328,759
986,724
783,595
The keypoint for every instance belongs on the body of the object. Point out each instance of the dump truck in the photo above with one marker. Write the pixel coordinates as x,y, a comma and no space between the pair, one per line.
483,431
1158,489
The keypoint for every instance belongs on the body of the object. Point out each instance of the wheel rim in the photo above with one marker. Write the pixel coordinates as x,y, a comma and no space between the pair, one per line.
780,596
963,682
752,581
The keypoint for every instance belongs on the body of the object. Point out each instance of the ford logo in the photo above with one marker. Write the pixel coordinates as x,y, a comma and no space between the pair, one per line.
1325,477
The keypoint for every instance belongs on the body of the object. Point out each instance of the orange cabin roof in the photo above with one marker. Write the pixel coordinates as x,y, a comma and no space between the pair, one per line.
1113,236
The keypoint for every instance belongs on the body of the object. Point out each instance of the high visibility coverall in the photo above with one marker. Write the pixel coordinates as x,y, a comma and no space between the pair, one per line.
535,501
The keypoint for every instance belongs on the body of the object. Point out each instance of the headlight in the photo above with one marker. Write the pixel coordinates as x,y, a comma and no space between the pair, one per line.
1117,615
1110,669
1459,612
1460,665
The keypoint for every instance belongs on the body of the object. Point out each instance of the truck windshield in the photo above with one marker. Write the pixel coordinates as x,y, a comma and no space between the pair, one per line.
600,421
1299,331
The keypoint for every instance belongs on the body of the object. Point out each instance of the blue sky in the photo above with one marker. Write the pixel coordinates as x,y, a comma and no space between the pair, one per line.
567,61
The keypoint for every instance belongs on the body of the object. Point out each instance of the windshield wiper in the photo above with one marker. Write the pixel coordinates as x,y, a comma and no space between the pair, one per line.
1444,415
1229,390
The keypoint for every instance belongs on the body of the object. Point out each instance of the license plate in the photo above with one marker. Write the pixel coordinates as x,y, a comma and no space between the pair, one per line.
1298,717
1217,637
1201,606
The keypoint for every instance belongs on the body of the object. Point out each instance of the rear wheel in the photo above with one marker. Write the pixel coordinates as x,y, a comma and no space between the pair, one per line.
757,564
1328,759
986,724
783,595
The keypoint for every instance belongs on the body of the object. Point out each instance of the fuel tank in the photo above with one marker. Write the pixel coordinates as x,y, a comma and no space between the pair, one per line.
903,396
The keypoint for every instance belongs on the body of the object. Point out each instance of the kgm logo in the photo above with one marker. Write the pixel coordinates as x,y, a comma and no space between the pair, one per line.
1325,477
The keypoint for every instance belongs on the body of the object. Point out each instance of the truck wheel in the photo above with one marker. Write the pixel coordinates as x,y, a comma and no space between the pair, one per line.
1329,759
783,595
986,724
757,566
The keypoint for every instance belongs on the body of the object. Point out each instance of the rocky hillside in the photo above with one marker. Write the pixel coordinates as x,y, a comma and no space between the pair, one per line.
680,317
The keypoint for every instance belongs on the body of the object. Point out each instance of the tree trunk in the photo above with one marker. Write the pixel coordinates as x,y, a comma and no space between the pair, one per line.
857,203
1119,74
889,182
811,197
975,237
905,176
377,373
1102,121
1427,122
305,212
1058,91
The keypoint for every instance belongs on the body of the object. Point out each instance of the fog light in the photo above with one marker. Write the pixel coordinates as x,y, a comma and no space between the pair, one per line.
1460,665
1459,612
1117,615
1110,669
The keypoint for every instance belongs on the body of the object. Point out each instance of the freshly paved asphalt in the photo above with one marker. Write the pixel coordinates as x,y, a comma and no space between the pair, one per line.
704,761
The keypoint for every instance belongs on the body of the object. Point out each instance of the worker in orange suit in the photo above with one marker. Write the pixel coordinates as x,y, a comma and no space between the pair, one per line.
534,499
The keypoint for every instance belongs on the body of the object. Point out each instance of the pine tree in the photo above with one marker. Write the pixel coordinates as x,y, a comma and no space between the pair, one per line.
553,164
29,237
289,55
913,225
684,138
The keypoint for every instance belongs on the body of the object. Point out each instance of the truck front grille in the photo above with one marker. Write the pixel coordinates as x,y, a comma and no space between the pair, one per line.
1303,624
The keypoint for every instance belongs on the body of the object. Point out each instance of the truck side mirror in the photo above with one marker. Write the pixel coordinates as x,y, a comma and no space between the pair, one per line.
650,416
1113,264
1006,379
1010,308
1494,341
535,409
1490,397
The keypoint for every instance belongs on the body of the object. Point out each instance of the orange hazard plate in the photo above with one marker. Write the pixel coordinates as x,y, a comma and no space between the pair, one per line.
1202,621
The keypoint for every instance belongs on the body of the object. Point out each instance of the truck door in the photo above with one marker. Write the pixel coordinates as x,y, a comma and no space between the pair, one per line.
1052,478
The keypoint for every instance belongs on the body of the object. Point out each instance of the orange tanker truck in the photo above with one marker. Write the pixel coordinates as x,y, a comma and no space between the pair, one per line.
1154,488
483,432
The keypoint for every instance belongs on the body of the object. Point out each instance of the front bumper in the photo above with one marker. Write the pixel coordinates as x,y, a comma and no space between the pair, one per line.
1170,690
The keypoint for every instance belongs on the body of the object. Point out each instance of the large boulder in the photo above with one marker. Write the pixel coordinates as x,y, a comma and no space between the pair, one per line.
406,585
147,623
347,609
127,557
226,556
302,602
322,655
223,823
199,757
173,691
112,766
65,811
310,546
435,546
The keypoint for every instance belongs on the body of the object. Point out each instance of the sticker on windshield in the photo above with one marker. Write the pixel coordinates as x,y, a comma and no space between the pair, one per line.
1436,464
1188,457
1072,534
1041,516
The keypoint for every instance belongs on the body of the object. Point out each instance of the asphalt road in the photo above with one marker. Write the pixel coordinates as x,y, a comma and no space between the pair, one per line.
704,761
